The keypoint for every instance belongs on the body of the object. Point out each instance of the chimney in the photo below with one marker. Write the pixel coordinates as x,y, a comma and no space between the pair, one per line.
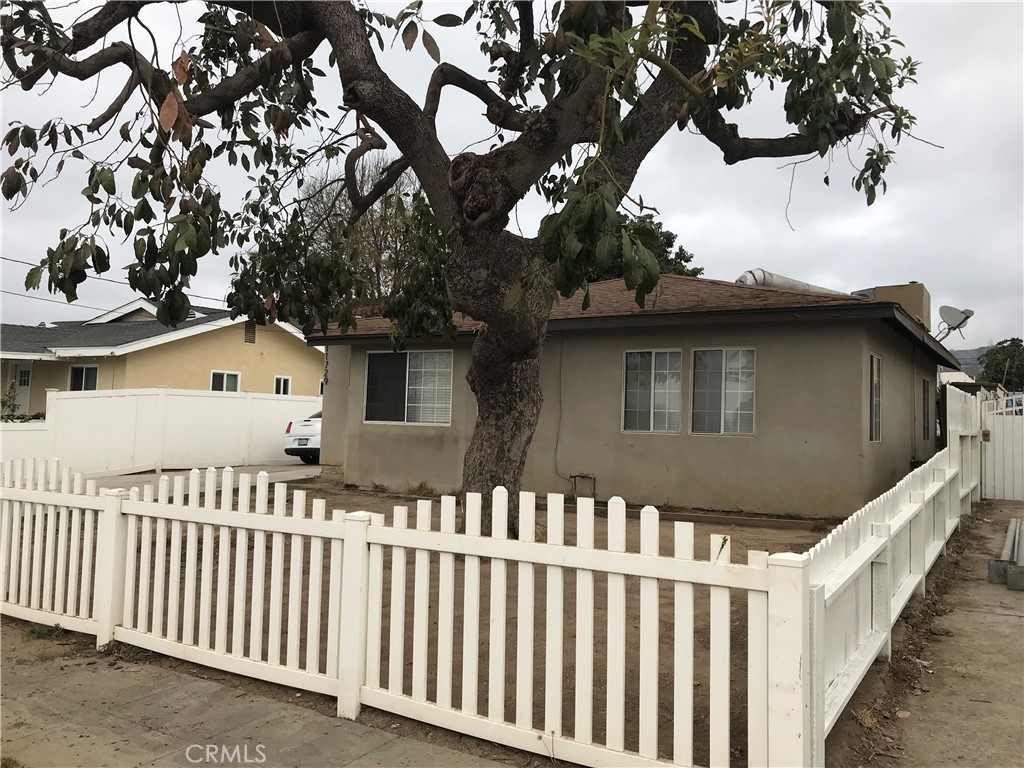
912,296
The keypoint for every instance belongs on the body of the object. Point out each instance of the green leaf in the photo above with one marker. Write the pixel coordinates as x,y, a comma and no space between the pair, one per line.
409,35
11,182
431,47
33,278
448,20
606,249
514,296
106,180
836,21
507,19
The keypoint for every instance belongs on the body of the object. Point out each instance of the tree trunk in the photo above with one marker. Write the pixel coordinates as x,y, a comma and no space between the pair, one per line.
484,278
509,399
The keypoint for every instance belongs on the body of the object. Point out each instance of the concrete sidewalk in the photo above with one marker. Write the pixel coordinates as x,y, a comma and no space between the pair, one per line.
973,711
61,710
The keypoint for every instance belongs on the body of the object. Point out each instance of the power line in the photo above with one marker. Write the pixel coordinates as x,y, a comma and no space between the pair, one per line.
53,301
115,282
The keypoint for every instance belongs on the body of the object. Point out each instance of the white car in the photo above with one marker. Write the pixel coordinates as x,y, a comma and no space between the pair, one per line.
302,438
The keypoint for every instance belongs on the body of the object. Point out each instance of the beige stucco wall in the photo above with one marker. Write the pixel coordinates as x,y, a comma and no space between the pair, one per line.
394,455
808,455
903,369
56,374
806,419
187,364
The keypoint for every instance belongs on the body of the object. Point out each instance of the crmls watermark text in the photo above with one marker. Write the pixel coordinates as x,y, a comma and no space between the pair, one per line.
226,754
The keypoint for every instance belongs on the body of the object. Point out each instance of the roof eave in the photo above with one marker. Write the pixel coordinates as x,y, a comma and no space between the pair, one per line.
866,311
27,355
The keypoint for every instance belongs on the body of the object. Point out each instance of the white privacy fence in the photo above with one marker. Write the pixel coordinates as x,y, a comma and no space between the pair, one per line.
136,430
580,640
1003,445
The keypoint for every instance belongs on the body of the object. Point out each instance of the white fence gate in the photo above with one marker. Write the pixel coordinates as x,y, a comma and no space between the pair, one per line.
1003,450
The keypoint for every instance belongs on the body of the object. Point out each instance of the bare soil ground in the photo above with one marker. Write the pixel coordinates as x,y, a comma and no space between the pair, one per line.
870,733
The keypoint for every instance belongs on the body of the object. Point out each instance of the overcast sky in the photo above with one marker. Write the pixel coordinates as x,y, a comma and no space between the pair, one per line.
953,218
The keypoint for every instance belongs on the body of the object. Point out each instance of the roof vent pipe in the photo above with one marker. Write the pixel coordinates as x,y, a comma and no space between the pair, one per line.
768,279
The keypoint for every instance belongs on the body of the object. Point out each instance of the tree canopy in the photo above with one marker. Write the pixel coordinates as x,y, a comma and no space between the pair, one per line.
1004,364
577,94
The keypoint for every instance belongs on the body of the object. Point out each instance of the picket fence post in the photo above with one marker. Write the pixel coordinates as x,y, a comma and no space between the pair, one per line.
111,550
881,590
790,737
355,578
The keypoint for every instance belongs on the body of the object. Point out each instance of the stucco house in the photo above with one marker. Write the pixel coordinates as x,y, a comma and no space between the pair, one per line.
717,395
127,348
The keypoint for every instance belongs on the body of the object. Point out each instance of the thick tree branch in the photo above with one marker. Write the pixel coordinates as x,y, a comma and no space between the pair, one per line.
499,111
155,82
367,88
96,27
116,105
286,19
362,203
281,56
736,148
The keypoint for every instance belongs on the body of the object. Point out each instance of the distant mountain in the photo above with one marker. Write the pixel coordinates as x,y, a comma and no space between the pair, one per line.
968,359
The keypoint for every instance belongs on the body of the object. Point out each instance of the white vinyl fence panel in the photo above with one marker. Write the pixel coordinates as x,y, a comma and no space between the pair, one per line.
135,430
25,440
1003,460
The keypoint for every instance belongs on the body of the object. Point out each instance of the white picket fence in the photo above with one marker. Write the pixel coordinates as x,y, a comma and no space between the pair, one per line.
866,570
472,632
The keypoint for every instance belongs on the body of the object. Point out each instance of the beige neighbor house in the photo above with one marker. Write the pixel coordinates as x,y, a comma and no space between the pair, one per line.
717,395
127,348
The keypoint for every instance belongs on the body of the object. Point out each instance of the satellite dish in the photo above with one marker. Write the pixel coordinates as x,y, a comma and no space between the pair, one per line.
953,319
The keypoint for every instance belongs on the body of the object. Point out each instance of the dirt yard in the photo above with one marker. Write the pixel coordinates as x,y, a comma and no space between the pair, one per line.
869,733
790,535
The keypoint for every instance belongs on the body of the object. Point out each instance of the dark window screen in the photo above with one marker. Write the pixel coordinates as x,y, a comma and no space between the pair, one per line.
385,387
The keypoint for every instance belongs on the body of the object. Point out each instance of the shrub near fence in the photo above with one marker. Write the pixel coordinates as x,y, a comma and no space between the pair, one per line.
288,596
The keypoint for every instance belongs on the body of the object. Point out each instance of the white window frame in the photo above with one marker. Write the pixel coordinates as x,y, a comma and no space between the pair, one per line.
874,396
721,424
226,373
283,378
84,367
405,408
622,404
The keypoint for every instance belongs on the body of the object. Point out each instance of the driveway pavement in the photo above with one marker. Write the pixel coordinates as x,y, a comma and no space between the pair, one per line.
279,473
61,710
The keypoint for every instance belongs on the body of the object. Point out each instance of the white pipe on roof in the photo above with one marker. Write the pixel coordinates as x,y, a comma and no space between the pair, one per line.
768,279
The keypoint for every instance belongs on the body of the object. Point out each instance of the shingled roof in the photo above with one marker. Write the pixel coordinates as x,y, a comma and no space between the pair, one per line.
680,300
675,295
41,340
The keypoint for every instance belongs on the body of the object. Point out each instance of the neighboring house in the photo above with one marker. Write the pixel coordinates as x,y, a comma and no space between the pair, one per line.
717,395
127,348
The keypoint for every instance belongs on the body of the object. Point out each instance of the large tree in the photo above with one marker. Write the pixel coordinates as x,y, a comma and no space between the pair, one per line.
1004,364
581,93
